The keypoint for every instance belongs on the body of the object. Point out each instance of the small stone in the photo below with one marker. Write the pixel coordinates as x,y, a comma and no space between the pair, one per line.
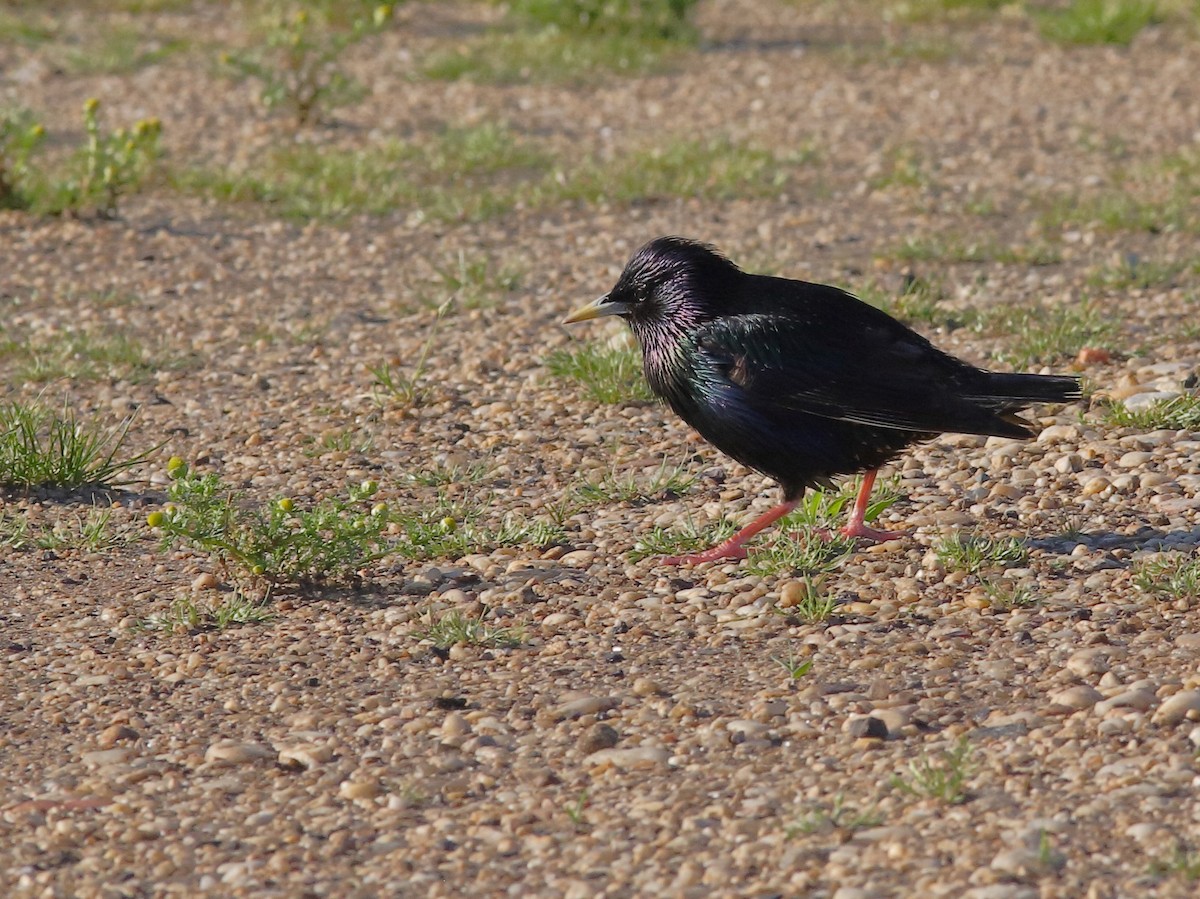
101,758
644,686
1174,709
865,726
304,755
576,706
1142,833
206,581
746,727
894,719
793,594
579,558
1096,485
231,752
555,620
114,734
1069,463
1078,697
455,726
631,759
597,737
1127,699
360,789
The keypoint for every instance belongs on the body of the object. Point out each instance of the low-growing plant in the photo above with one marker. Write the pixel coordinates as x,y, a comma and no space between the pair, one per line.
1176,576
1098,21
607,374
677,541
571,40
42,448
839,815
20,136
972,554
1180,413
295,54
475,282
666,482
1005,596
1041,335
407,389
795,668
110,165
278,543
944,778
80,355
815,605
803,551
185,615
824,508
453,627
1183,861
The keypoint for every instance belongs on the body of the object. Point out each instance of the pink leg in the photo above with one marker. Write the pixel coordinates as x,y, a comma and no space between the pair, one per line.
856,527
733,548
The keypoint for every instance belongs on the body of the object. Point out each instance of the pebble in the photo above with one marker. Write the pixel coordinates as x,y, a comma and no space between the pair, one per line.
360,789
866,726
1127,699
894,719
115,733
1080,696
99,758
231,752
305,755
578,706
597,737
1175,709
631,759
205,581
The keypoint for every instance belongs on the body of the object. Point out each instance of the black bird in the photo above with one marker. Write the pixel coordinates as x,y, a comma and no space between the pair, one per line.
800,381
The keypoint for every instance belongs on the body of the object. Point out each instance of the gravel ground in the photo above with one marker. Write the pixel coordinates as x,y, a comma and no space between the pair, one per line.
643,738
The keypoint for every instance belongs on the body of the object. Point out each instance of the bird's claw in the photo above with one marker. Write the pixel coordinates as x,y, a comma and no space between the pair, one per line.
859,530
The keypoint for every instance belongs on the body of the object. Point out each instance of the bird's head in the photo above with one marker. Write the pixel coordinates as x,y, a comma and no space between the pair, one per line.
671,281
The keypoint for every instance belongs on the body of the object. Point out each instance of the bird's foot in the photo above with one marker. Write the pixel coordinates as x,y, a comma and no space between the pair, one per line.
856,530
717,553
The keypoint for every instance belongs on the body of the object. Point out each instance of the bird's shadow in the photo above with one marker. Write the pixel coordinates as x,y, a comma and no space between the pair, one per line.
1146,538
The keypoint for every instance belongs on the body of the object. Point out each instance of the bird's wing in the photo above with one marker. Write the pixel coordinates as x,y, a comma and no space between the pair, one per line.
879,373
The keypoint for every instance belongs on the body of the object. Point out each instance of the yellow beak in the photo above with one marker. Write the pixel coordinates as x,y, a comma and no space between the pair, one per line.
596,309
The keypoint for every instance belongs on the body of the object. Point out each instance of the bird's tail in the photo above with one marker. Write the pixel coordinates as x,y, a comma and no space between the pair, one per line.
1005,394
1009,392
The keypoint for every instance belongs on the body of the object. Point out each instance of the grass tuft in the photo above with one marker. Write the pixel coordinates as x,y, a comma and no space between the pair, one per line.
608,374
944,778
1180,413
1098,21
453,628
41,448
964,552
1175,577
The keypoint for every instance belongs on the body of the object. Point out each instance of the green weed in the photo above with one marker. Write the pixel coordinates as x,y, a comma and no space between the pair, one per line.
20,136
1183,861
1098,21
944,778
607,374
964,552
453,627
1041,335
110,165
667,482
794,668
678,541
294,55
41,448
1174,577
186,616
806,551
840,815
1180,413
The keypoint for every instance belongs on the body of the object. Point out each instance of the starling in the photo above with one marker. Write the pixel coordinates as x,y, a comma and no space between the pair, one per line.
802,382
